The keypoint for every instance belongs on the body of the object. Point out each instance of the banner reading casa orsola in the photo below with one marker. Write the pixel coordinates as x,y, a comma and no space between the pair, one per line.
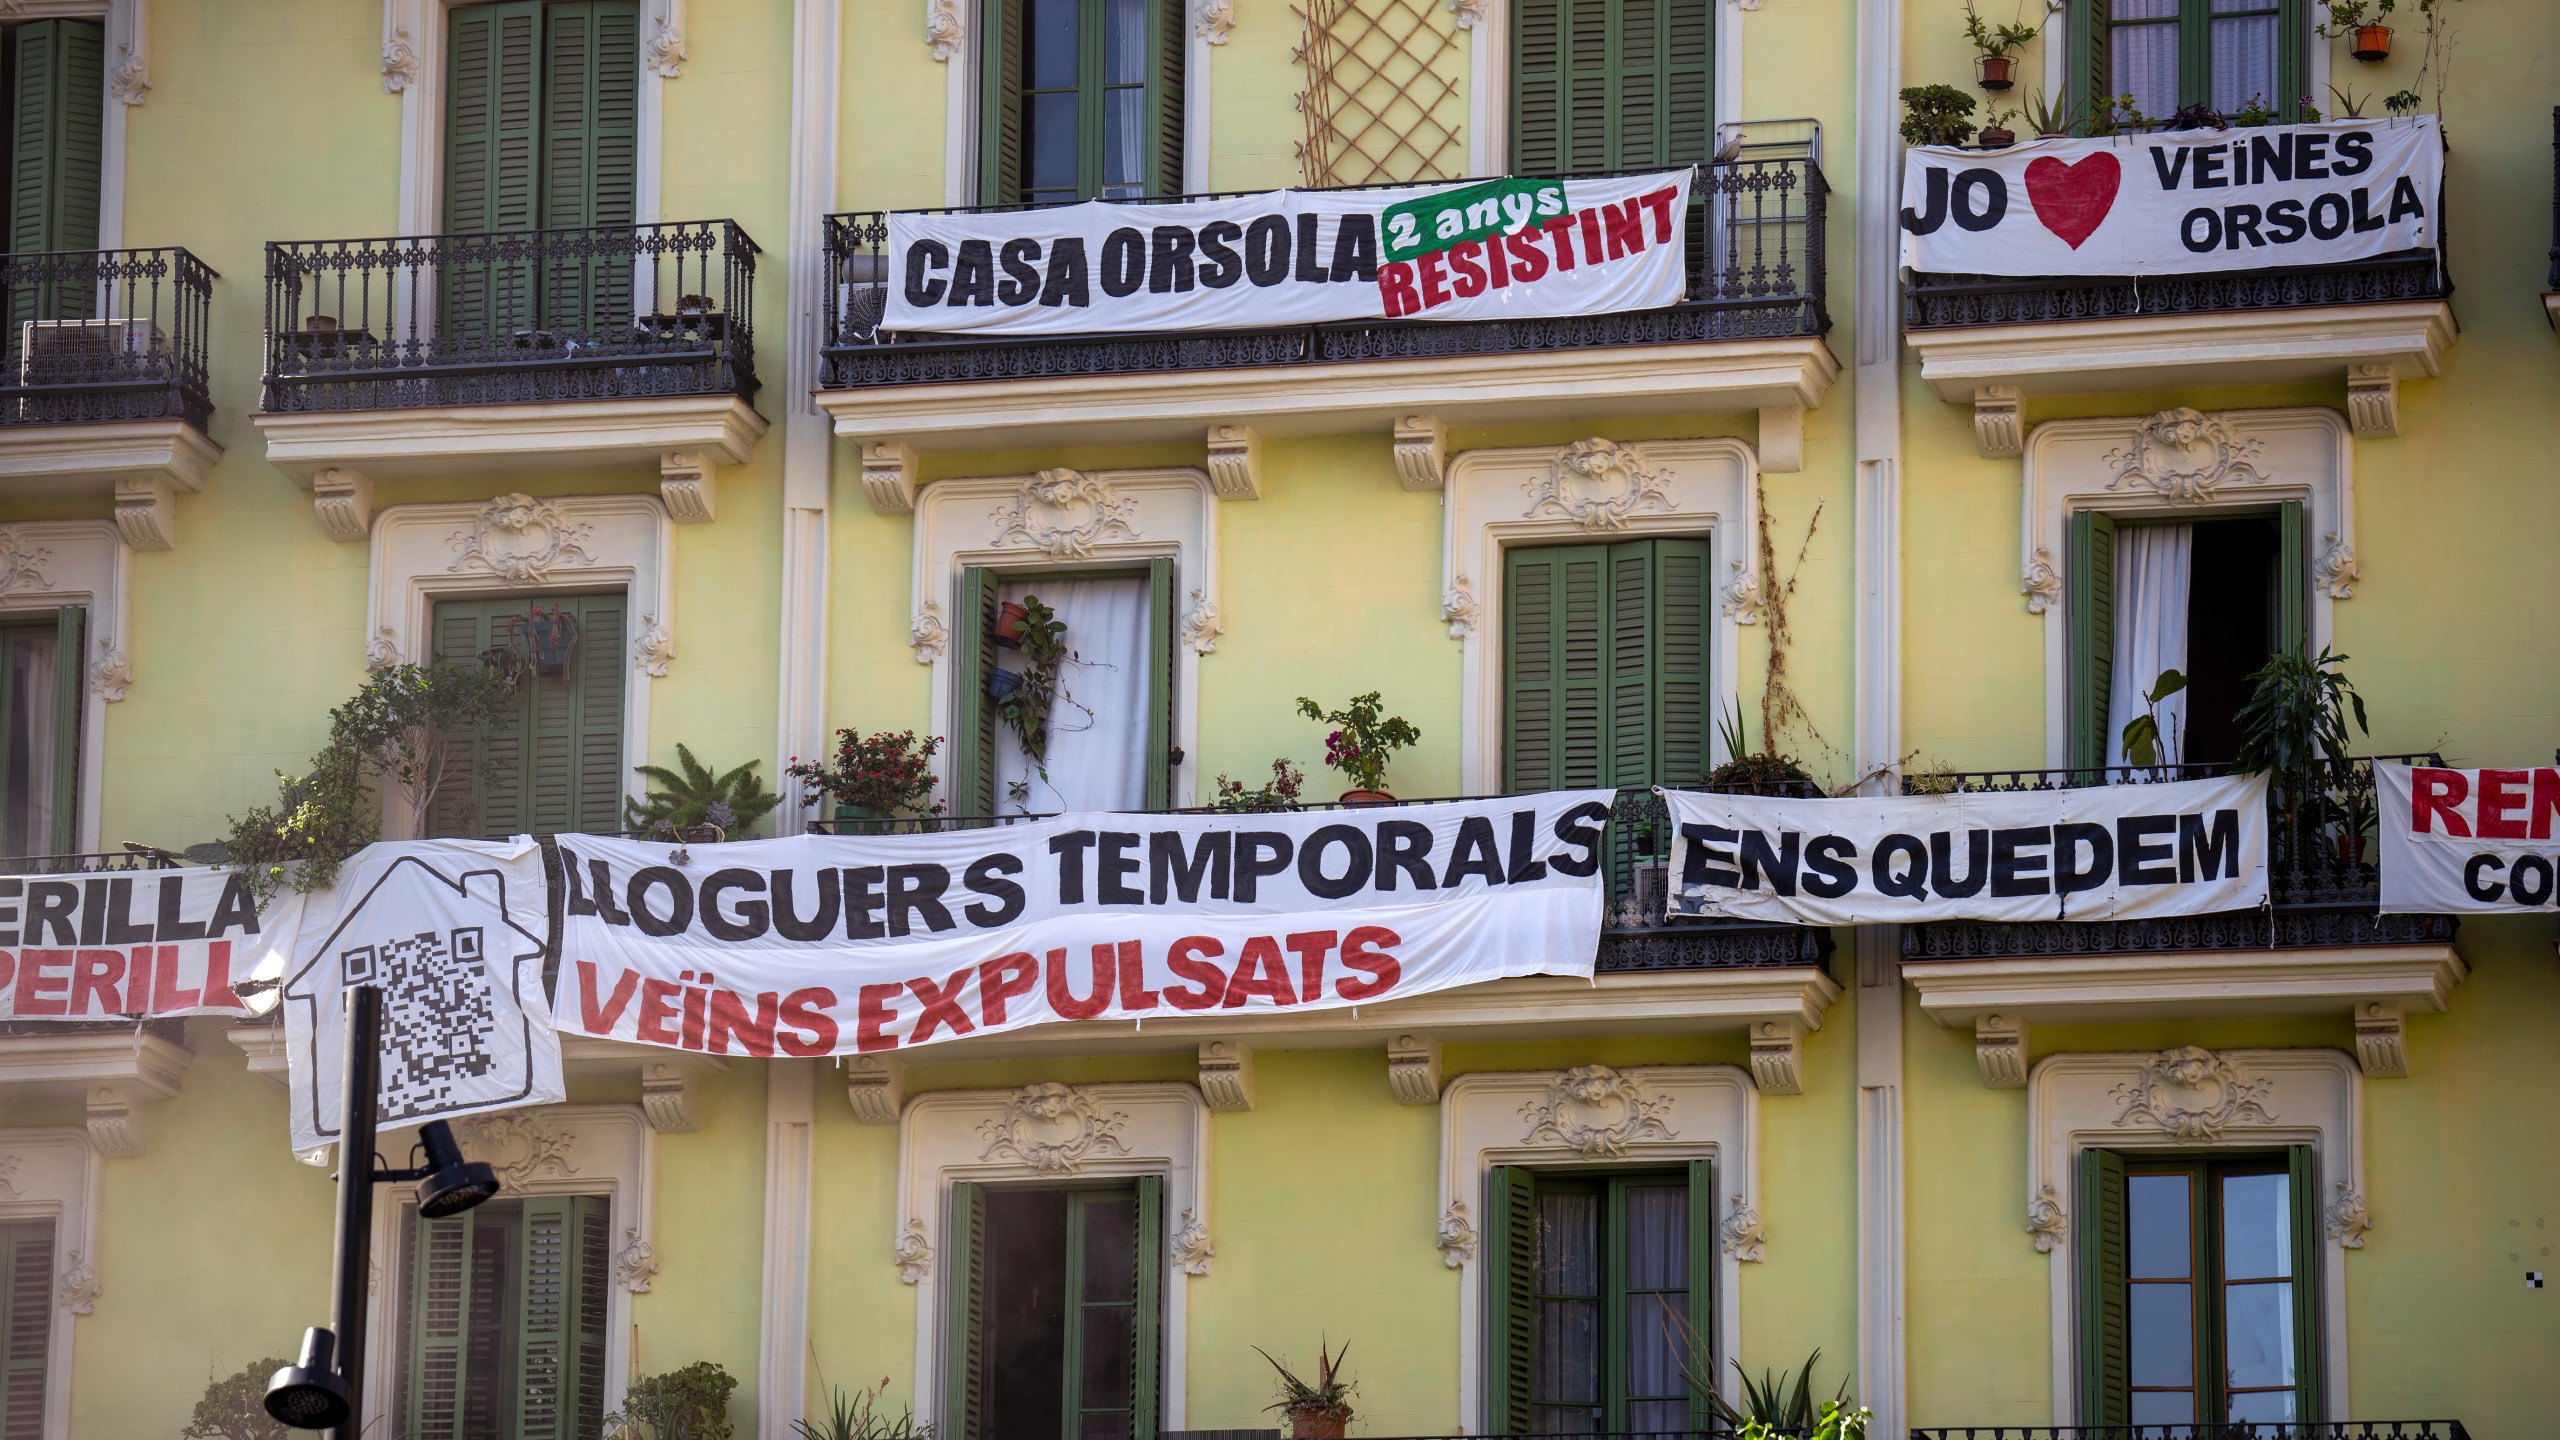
1502,249
2176,201
145,942
2468,840
2114,852
819,944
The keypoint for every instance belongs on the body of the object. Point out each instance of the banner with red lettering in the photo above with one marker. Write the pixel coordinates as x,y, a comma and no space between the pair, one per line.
822,944
2479,841
134,943
1500,249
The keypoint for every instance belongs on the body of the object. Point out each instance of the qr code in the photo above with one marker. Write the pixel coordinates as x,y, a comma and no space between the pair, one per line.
437,1012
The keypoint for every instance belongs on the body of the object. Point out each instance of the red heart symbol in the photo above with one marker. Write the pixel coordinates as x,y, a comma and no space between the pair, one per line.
2072,200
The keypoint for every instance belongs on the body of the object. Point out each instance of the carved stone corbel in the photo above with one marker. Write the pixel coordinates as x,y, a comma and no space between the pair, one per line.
343,499
1997,432
889,477
2373,401
115,1124
666,1098
687,481
2000,1049
1226,1075
146,515
1422,452
1235,462
1413,1069
876,1086
1777,1057
2382,1048
1782,438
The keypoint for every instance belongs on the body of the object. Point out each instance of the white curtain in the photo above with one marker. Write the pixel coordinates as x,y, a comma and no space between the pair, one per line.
1098,727
31,739
2153,564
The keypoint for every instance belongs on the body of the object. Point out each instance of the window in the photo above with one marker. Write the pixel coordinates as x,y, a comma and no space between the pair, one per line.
2211,599
1610,84
41,688
1083,100
506,1322
26,1325
1056,1312
1605,664
1110,741
558,766
2172,53
2198,1288
55,73
1599,1287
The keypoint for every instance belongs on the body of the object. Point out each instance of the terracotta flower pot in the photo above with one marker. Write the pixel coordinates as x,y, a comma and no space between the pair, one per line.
2351,849
1998,139
2372,42
1009,622
1326,1424
1998,72
1365,797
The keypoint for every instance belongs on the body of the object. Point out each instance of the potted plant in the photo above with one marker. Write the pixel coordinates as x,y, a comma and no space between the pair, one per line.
687,1404
860,1416
1936,115
2050,120
1280,792
2293,729
1011,616
1317,1411
874,778
696,805
2145,744
1746,771
2256,113
234,1407
1025,698
1996,134
2369,39
1996,48
1360,744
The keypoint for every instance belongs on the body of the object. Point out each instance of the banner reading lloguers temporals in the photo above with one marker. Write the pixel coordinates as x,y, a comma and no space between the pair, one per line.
145,942
2176,201
820,944
2110,852
1503,249
2468,840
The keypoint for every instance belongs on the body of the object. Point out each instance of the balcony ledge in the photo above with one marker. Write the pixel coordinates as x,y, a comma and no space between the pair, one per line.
111,1068
339,455
142,463
2368,348
2375,985
1781,377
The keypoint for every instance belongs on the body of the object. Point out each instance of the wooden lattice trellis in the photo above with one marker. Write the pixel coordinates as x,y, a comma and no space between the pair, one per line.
1382,99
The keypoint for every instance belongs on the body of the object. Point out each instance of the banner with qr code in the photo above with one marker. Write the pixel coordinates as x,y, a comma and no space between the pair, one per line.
138,943
453,934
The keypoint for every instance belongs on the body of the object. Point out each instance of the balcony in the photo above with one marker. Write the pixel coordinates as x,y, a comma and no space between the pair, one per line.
510,353
103,389
2233,1430
2322,947
1749,336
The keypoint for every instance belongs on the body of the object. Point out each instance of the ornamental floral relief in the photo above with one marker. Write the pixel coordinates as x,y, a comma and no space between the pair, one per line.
2045,1220
9,1176
1457,1236
2348,1217
1745,1238
521,1148
1192,1250
943,31
520,539
654,650
636,1264
383,650
110,673
80,1287
1458,609
1743,596
1063,514
20,563
2192,1094
1201,626
399,62
2185,456
1597,1113
1052,1129
2336,573
1599,485
2041,583
913,1255
927,635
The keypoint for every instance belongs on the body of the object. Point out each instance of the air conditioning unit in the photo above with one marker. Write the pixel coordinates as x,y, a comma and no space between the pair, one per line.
56,352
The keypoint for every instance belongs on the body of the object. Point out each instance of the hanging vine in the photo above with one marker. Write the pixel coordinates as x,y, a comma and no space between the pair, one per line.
1780,705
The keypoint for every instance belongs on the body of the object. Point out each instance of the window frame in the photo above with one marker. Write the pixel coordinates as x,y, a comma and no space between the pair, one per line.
526,728
1611,1185
2295,66
1003,38
974,711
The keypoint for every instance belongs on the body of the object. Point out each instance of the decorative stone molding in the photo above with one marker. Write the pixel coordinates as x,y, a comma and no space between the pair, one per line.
1201,626
1422,452
2373,401
521,1147
889,475
21,562
913,1254
926,634
636,1263
1217,21
1051,1129
80,1286
1469,13
1064,514
146,513
131,84
875,1085
1782,438
111,674
1226,1075
666,1097
1599,485
653,649
2186,456
2040,582
49,1173
383,650
1743,596
667,51
2046,1221
1235,462
2192,1093
343,499
399,62
2000,1050
1192,1250
115,1123
1745,1239
2382,1048
2336,574
2348,1217
46,564
1704,1112
1458,608
1998,431
1413,1069
943,31
1777,1057
688,482
518,539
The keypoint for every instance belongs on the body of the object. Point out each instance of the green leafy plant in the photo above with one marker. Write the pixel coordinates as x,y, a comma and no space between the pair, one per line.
1326,1398
1764,771
2144,742
860,1416
693,795
2293,729
1362,739
1837,1422
687,1404
1027,709
889,773
1996,40
406,734
2350,105
1998,120
1280,792
2403,102
2118,115
1936,115
234,1407
2050,117
1778,1400
2254,114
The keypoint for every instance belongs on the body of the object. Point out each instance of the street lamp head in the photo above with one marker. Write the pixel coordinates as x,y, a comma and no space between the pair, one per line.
452,1184
308,1395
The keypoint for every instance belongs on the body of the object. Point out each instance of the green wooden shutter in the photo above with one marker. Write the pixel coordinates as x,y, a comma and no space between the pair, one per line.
439,1326
2086,86
492,159
1610,84
973,715
2099,1242
558,767
1000,103
964,1308
2293,590
1147,1319
1170,38
590,156
58,73
70,689
2091,612
560,1317
1160,698
2308,1261
1682,630
1702,1288
1555,667
1537,86
1630,672
1510,1273
1688,70
26,1325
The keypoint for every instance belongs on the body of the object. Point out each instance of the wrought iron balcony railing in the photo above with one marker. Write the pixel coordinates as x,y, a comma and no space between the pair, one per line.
131,857
1635,934
2323,882
1939,301
2231,1430
1754,245
609,313
2554,282
105,336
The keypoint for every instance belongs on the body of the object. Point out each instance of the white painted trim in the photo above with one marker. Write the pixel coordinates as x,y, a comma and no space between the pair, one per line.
1170,512
2304,454
1710,488
1162,1129
417,561
2188,985
1489,77
2172,351
2313,1097
807,442
782,1368
960,103
606,1150
52,1174
1708,1112
83,562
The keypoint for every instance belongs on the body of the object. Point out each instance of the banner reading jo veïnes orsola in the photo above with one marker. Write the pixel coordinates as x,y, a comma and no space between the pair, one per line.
820,944
2110,852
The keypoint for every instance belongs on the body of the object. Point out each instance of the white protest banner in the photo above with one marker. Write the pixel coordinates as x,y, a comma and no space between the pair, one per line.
133,943
2111,852
822,944
452,933
2468,840
1484,250
2176,202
